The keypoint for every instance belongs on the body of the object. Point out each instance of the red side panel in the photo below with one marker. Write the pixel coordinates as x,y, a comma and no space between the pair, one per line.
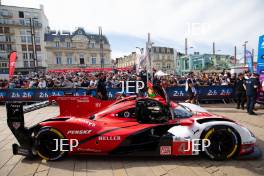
79,106
182,148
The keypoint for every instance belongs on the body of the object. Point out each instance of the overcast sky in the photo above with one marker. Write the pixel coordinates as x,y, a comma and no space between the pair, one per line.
127,22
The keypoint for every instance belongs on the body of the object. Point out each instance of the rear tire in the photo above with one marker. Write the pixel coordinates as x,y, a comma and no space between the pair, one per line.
225,142
45,143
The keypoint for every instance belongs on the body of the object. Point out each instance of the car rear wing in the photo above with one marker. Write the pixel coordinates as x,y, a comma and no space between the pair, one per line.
79,106
16,123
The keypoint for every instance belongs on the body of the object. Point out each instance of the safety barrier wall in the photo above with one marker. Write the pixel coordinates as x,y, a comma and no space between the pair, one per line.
174,93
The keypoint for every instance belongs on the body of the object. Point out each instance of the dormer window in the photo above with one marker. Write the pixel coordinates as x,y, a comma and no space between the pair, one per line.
68,44
92,44
57,44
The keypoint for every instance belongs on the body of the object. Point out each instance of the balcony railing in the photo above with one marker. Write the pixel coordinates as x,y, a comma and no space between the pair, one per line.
19,22
6,13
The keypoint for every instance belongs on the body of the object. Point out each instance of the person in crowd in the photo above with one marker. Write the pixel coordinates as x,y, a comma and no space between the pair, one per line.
190,89
68,83
50,83
93,83
42,83
240,91
101,87
251,85
31,83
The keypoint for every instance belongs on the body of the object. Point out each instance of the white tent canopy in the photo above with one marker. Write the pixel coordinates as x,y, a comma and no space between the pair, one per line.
160,73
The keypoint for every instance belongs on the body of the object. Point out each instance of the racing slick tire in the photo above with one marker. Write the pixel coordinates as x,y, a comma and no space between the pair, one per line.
46,144
224,142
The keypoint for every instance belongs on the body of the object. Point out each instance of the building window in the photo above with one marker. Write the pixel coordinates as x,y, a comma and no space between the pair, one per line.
2,38
68,44
37,40
29,39
57,44
92,45
8,47
186,64
58,59
24,39
93,61
81,60
31,56
4,64
8,38
2,47
25,56
32,64
21,14
25,63
69,60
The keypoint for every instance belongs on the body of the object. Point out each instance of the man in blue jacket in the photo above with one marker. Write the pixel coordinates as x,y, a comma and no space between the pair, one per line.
251,86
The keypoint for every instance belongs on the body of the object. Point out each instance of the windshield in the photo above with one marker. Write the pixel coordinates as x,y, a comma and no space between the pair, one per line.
181,112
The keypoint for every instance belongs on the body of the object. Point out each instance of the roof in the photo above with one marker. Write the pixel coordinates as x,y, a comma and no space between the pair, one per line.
158,49
50,36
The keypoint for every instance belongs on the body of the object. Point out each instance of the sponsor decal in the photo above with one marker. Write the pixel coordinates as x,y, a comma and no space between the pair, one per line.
16,125
182,148
22,151
189,147
86,121
126,114
195,131
88,150
81,132
109,138
165,150
15,106
98,105
86,100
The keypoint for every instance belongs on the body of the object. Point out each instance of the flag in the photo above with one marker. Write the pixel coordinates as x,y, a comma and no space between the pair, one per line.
260,63
138,60
249,59
141,61
12,64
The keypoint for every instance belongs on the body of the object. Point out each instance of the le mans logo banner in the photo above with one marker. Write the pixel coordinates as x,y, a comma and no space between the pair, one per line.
260,64
12,63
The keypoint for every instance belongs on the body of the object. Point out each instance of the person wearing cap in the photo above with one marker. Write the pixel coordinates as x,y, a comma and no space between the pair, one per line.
251,85
240,91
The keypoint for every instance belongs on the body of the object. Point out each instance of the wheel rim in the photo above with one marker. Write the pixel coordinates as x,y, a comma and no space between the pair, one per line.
46,143
223,145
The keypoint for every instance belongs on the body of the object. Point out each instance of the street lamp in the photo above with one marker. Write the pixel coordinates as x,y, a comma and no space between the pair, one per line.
245,50
140,49
33,40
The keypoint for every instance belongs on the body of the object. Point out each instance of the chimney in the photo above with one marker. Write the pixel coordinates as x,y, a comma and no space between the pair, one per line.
41,6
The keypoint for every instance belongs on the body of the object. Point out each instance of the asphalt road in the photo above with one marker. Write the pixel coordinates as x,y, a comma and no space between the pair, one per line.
119,166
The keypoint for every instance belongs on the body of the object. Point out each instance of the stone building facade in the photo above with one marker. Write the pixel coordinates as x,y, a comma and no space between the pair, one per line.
15,35
78,49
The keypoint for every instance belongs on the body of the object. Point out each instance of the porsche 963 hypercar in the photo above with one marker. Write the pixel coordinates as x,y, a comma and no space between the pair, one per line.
130,126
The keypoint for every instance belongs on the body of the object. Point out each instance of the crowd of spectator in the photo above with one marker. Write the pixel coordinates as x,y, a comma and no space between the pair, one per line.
112,79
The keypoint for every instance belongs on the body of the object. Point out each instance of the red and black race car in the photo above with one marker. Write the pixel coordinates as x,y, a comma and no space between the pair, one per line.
130,126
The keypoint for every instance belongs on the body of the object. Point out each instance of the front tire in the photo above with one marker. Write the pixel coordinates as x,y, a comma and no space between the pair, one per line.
46,141
225,142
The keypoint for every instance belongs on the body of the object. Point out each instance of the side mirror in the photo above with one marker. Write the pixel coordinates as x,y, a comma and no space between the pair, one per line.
186,122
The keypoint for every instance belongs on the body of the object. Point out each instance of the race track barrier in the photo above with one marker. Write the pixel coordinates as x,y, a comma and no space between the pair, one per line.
174,93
